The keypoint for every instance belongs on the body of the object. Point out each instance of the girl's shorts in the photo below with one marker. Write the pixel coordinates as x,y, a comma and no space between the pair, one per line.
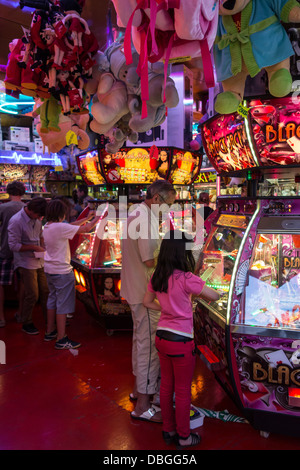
61,292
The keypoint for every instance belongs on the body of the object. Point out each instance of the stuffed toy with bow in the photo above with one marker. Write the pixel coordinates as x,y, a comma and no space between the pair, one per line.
250,38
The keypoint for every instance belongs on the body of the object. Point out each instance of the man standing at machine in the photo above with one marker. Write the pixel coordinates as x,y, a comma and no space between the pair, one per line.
140,246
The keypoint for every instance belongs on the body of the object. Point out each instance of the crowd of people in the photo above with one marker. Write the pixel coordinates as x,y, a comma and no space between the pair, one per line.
39,262
157,281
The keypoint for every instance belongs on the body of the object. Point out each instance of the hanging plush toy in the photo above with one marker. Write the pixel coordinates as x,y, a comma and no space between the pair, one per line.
54,127
162,91
250,38
58,40
162,29
49,112
117,105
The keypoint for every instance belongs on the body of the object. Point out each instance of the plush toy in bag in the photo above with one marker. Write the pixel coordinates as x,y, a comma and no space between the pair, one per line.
117,103
250,38
161,30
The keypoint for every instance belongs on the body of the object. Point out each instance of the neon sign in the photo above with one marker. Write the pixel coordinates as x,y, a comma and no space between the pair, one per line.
29,158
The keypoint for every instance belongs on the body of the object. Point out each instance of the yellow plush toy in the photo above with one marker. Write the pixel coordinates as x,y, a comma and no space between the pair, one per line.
250,38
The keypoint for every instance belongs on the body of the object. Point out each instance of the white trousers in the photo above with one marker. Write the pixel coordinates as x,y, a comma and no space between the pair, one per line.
145,360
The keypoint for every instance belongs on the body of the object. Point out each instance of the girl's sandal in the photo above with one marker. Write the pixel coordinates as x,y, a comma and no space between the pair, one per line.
195,440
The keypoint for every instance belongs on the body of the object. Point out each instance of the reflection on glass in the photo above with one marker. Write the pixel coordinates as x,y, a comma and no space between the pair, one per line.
100,253
272,293
83,251
218,259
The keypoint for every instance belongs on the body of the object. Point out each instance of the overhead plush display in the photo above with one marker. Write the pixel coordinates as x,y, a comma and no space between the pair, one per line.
250,38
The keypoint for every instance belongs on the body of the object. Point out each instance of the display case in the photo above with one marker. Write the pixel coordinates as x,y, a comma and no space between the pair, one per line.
97,260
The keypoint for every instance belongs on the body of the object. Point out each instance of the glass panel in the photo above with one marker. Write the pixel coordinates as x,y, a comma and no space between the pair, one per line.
218,259
279,187
109,252
102,246
272,293
83,251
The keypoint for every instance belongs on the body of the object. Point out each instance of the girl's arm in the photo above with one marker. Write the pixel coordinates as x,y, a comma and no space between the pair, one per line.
208,293
150,301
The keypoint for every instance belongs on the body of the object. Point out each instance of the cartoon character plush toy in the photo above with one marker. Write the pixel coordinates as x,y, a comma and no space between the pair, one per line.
49,111
251,37
54,127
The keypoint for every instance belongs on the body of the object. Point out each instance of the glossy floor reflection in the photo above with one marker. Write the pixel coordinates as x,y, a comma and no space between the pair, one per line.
58,400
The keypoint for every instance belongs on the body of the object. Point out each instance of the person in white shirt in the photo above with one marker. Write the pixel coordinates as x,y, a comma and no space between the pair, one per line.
140,246
59,271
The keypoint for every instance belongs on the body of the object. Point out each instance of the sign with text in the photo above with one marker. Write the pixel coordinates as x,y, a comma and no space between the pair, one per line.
226,144
275,126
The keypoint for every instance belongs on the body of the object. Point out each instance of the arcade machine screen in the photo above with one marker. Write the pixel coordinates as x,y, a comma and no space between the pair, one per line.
272,293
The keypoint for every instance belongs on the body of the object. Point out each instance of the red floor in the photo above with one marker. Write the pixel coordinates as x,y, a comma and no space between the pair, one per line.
53,400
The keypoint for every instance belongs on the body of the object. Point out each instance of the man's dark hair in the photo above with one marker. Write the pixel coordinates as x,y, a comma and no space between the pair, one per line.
83,188
37,205
15,188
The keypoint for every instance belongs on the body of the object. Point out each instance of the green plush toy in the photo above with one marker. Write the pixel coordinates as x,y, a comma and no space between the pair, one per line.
250,38
49,112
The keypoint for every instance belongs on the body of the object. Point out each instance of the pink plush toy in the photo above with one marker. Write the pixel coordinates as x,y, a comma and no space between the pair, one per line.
168,29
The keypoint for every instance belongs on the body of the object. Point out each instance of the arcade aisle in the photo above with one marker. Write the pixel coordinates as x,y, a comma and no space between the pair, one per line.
54,400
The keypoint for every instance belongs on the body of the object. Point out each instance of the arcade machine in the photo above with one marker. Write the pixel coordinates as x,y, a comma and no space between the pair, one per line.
250,338
96,257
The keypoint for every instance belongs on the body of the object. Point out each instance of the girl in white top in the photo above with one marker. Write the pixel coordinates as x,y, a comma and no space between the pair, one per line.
59,272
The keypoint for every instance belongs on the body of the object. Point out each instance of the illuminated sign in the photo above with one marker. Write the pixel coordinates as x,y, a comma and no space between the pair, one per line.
206,177
185,167
29,158
10,105
226,143
88,165
268,135
238,221
275,126
144,165
134,165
